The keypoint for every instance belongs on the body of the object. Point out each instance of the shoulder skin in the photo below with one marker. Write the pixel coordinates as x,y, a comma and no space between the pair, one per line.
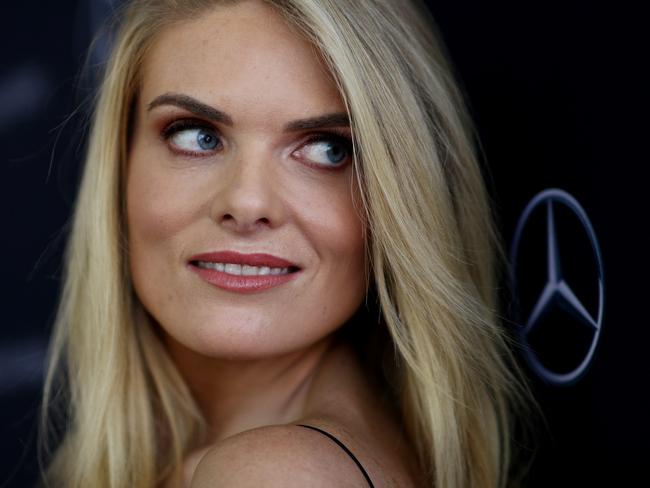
285,456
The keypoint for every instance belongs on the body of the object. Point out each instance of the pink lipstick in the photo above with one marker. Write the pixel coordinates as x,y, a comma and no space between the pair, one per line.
243,273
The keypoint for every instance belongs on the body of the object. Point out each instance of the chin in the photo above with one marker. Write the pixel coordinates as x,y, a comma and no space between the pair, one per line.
235,336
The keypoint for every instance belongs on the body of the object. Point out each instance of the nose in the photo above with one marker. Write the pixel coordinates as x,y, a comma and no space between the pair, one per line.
247,199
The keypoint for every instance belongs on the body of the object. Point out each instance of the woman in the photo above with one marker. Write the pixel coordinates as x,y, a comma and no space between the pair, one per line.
281,235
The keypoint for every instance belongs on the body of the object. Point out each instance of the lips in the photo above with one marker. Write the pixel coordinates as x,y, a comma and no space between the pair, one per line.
243,273
244,259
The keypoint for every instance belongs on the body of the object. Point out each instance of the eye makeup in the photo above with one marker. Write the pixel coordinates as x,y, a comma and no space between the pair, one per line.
196,138
179,132
336,139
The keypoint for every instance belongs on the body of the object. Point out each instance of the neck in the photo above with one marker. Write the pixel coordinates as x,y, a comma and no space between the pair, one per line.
241,394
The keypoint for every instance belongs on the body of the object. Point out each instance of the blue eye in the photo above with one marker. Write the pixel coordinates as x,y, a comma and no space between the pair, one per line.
327,150
190,138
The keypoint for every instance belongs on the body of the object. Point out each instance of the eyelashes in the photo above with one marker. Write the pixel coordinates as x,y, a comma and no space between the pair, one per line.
191,137
330,149
328,145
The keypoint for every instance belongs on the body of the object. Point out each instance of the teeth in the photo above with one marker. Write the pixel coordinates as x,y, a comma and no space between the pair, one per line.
245,270
249,270
233,269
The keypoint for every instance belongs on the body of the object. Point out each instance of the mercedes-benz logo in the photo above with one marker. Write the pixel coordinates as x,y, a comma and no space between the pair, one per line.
556,292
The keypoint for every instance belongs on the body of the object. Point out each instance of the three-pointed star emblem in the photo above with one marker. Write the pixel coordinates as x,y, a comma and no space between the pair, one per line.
557,292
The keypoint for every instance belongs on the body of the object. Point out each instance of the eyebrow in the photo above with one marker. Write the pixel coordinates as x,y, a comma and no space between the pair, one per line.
191,105
338,119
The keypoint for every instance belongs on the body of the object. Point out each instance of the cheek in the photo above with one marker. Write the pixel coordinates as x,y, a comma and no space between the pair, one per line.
344,239
154,205
339,215
343,252
158,209
332,220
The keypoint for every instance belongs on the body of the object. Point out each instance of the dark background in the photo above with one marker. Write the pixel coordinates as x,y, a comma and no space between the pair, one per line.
559,94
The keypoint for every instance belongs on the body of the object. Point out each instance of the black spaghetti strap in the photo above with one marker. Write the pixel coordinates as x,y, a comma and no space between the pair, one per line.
363,471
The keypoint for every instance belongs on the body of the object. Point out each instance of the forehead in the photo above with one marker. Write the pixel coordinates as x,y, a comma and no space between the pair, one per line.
246,60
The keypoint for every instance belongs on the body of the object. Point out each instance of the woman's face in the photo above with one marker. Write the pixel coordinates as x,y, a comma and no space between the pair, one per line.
241,162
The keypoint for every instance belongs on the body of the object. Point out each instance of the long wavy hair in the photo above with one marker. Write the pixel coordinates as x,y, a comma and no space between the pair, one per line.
116,411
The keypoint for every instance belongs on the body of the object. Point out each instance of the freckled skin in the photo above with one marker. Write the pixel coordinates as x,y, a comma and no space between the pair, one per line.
255,363
252,196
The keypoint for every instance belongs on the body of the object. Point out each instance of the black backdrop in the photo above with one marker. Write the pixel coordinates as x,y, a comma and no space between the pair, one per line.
559,94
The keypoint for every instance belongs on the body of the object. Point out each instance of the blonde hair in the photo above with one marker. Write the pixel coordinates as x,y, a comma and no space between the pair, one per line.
433,248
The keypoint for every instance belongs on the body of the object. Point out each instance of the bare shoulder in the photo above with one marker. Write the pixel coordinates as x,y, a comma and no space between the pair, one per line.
277,456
